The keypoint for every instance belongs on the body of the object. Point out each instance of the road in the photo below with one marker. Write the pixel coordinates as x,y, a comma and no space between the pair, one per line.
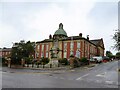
103,75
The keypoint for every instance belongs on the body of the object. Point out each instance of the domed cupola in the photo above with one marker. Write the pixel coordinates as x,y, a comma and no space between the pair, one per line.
60,33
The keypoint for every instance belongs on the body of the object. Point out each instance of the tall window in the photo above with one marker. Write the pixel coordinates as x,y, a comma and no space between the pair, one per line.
71,52
77,54
37,54
38,47
42,53
71,45
65,49
65,45
47,47
78,45
47,54
42,47
65,54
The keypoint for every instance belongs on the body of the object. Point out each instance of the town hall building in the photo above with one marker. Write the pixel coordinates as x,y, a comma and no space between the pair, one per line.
60,45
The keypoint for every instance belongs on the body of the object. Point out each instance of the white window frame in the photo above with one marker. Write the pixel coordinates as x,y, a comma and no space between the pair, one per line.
71,52
46,47
42,47
65,54
71,45
78,45
38,47
47,54
65,45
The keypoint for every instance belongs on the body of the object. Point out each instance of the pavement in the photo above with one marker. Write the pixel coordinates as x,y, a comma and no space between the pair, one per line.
26,69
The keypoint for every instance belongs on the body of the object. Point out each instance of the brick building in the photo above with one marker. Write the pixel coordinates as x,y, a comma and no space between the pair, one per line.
61,46
5,52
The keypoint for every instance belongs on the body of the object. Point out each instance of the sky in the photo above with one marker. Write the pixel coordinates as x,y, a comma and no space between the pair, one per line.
35,20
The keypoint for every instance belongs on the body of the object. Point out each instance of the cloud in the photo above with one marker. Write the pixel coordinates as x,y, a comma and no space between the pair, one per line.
45,22
59,0
35,21
8,35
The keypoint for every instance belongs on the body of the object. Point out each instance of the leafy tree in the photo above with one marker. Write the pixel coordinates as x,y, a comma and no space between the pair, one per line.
118,55
3,61
109,54
116,38
22,50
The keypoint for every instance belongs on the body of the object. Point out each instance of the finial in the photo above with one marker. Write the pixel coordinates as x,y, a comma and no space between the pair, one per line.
60,26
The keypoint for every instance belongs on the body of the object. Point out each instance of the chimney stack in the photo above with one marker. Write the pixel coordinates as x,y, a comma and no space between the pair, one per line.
50,36
80,34
87,37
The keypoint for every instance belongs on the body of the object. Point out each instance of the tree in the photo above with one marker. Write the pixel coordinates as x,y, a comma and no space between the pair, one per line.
118,55
116,38
21,50
109,54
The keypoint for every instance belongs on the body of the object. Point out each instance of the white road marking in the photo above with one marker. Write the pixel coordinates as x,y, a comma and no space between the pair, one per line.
109,82
99,75
72,70
102,74
82,76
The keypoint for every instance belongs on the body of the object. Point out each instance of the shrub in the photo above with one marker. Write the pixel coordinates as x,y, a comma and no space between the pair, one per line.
83,60
27,60
44,60
71,55
15,61
76,62
63,61
3,61
37,62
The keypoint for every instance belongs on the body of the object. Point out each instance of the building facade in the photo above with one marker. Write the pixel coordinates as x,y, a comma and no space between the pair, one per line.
5,52
61,46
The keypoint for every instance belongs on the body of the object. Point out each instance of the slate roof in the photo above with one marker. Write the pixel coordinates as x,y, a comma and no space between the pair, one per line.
67,38
96,41
46,40
6,49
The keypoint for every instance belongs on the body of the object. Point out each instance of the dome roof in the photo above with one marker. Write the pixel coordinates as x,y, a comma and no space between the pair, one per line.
60,31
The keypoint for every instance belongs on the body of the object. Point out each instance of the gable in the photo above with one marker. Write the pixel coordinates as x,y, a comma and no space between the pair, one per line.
101,43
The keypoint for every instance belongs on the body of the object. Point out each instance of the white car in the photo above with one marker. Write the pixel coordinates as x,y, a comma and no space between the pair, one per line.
97,59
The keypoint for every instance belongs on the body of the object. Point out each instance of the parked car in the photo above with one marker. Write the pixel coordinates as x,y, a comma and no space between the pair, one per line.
106,59
97,59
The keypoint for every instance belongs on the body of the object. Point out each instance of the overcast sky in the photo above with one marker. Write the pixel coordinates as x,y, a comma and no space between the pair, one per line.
35,20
